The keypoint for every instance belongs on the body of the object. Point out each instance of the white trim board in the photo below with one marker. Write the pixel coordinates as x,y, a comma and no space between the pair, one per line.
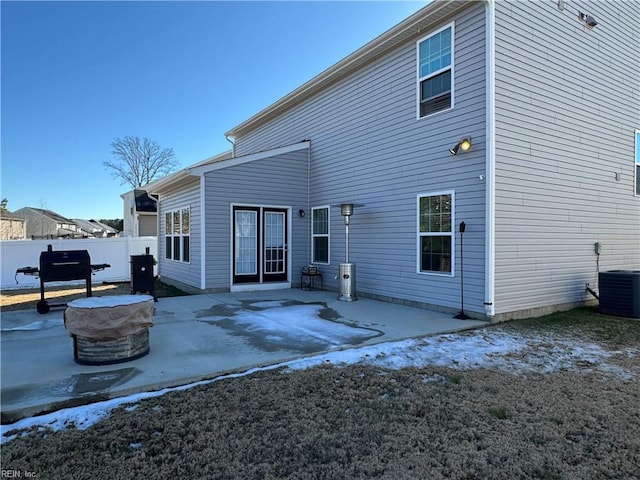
232,162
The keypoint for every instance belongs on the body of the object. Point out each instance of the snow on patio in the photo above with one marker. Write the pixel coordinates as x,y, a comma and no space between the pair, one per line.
274,325
483,348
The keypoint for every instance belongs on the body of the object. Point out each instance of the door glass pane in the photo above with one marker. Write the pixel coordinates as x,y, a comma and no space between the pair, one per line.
246,242
274,242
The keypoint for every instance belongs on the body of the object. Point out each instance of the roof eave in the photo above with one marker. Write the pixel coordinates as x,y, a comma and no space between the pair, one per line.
420,21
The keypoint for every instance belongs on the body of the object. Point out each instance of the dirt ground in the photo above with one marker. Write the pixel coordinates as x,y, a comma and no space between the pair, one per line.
24,299
362,422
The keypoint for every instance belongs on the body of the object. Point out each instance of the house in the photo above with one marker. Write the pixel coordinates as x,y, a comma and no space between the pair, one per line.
107,230
140,214
487,148
11,227
41,223
94,228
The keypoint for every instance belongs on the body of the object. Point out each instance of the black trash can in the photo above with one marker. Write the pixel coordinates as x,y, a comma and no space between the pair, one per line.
142,279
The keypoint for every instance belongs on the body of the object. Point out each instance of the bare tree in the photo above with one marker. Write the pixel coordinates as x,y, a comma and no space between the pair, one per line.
139,161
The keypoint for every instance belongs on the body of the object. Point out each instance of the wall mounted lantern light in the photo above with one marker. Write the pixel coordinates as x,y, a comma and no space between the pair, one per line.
464,145
301,213
588,20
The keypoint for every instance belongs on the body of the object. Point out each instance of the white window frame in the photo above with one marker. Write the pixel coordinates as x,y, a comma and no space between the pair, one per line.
420,78
450,234
321,235
180,234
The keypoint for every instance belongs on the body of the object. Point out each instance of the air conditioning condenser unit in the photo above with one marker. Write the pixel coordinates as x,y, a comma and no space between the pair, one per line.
620,293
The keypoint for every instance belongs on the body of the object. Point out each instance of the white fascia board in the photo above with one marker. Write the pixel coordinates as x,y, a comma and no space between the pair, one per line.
173,178
421,21
232,162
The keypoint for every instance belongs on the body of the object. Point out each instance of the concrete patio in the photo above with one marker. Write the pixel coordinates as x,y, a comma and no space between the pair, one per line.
194,338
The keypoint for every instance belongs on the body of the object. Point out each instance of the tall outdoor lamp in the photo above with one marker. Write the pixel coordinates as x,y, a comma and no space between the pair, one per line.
461,315
347,271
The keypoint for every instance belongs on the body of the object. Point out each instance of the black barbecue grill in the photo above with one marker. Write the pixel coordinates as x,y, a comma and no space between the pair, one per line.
62,266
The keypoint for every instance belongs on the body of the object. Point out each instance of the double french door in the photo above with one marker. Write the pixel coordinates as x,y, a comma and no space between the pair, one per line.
260,250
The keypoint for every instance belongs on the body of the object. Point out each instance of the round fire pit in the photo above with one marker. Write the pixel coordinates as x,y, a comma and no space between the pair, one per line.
109,329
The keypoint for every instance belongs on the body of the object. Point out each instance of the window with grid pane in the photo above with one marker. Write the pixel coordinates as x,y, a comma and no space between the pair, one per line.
435,72
320,235
435,233
177,234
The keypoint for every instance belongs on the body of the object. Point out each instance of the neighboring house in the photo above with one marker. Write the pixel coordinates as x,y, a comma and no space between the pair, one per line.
11,227
94,228
547,92
140,206
89,229
140,214
43,223
107,230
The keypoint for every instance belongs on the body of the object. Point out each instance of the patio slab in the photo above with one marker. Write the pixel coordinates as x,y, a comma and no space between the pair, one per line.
194,338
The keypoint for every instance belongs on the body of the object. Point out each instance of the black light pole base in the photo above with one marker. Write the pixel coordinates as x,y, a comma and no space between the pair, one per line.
461,315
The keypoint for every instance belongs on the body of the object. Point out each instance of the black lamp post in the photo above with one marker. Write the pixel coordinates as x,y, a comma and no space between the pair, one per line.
461,315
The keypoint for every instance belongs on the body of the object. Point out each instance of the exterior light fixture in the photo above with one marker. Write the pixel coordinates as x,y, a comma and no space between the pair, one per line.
301,213
588,20
464,145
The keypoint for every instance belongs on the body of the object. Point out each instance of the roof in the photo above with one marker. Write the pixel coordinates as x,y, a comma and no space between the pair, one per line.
87,226
176,177
420,22
47,213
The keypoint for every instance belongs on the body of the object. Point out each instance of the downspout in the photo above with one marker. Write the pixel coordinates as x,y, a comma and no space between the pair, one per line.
203,236
158,241
309,212
233,146
490,138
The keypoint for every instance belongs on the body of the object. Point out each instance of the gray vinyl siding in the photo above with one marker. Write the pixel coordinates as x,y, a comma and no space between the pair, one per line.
274,182
567,103
187,273
368,147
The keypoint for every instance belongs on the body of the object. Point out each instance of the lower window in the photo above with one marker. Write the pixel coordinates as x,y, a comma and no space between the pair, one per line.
320,235
177,234
435,233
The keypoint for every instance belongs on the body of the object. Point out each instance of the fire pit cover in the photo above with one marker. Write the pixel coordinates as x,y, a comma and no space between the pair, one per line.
110,317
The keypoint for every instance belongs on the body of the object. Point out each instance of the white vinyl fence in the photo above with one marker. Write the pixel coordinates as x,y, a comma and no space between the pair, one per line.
116,252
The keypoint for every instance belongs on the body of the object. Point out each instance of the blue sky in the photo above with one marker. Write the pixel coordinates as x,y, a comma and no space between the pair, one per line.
76,75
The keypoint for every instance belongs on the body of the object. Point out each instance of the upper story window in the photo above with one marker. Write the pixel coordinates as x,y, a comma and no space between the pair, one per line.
320,235
177,234
435,72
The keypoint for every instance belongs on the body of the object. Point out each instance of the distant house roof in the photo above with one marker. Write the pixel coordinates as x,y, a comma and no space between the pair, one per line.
52,215
88,227
103,226
45,213
10,216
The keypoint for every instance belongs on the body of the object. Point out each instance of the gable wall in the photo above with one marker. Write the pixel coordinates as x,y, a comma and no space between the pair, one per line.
368,147
275,182
567,103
